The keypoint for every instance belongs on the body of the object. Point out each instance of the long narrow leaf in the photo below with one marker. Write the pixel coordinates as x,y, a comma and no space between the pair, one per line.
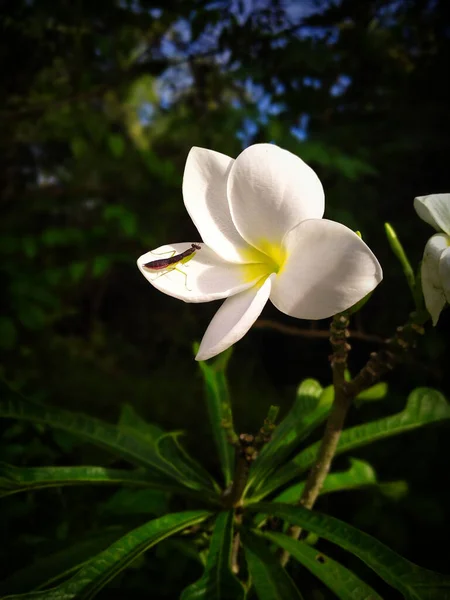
218,581
131,420
123,442
219,411
109,563
411,580
167,444
101,434
270,579
188,469
359,474
22,479
424,406
309,410
48,570
345,584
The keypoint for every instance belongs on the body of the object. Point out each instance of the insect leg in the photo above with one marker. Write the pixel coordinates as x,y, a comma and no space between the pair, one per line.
171,252
185,278
173,268
164,272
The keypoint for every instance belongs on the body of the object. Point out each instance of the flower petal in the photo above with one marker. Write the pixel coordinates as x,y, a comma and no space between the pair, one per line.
434,210
444,271
204,278
271,190
233,319
205,198
328,269
432,288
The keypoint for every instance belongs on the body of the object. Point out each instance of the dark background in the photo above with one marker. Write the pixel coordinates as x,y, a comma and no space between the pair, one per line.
100,103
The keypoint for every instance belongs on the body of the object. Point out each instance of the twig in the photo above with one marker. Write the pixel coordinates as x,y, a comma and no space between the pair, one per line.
232,497
314,333
247,449
388,358
335,423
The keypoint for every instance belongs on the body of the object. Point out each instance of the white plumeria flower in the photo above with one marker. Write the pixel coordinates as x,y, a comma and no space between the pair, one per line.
260,218
435,210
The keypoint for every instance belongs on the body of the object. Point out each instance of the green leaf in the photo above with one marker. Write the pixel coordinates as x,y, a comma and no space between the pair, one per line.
132,446
188,469
218,581
95,574
219,411
394,490
22,479
102,434
345,584
270,579
168,446
411,580
374,393
310,409
360,473
47,570
424,406
129,419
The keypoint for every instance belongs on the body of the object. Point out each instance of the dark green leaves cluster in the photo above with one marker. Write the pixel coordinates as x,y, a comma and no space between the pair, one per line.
241,547
97,572
162,462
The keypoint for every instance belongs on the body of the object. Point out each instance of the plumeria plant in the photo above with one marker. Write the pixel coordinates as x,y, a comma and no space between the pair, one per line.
263,237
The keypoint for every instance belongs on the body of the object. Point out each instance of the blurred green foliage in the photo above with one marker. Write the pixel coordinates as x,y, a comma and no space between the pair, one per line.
100,103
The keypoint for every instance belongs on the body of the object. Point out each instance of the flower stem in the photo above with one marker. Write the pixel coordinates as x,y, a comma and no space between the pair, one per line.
397,348
400,253
344,393
335,422
232,496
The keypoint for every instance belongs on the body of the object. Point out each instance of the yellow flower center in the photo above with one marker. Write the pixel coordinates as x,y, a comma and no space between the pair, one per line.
276,255
269,259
